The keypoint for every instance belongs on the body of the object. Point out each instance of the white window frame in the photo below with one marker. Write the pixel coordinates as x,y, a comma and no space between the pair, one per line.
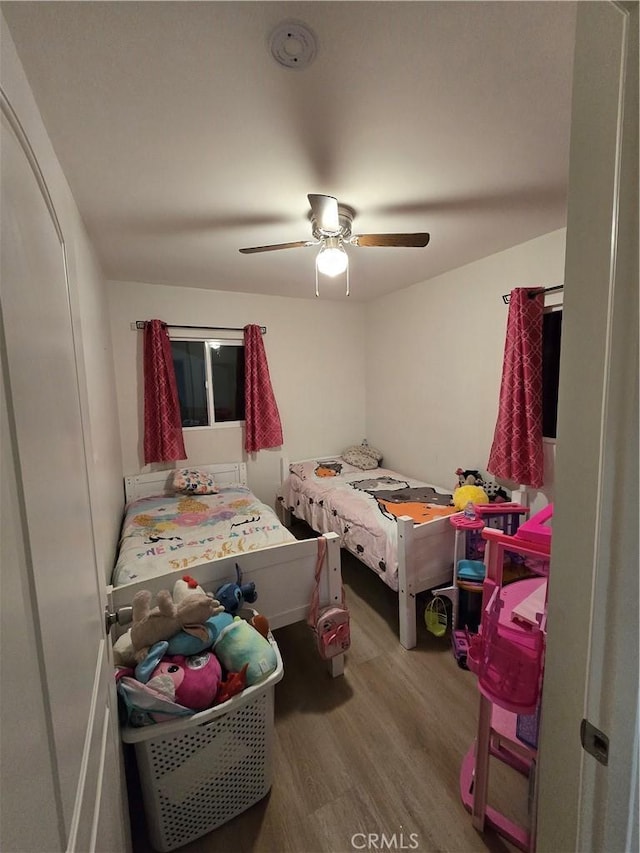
211,344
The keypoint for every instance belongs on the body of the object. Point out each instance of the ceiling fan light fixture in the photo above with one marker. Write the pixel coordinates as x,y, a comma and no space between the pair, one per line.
332,260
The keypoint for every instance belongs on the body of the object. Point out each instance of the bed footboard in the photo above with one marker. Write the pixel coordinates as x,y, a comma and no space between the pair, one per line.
425,560
284,576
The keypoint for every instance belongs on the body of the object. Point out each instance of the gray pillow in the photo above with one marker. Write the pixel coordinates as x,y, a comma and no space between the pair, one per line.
362,456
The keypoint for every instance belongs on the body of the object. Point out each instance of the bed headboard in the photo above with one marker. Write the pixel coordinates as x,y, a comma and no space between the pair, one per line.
160,482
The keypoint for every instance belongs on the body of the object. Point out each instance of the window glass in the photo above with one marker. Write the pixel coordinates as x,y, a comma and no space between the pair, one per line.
551,335
210,380
227,370
189,364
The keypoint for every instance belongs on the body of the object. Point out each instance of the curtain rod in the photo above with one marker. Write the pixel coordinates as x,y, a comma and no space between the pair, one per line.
140,324
506,297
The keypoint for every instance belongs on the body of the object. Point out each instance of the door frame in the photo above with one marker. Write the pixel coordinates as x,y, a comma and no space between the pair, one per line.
592,652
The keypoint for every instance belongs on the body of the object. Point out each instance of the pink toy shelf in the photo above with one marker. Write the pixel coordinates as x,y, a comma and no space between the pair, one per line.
507,656
470,569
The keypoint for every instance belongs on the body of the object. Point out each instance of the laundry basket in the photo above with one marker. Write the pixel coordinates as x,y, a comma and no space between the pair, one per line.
199,772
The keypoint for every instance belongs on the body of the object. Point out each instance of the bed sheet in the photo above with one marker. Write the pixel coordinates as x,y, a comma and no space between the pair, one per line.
362,507
173,533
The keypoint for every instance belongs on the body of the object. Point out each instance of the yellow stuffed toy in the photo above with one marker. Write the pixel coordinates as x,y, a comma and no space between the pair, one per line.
469,494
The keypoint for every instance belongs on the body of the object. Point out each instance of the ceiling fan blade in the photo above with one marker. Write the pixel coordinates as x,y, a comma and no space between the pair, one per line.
417,240
325,212
278,246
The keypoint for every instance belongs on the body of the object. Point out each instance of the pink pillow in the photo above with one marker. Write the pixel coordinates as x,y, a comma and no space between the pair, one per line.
192,481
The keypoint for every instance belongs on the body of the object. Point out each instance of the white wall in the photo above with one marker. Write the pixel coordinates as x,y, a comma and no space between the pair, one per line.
424,363
316,355
92,334
434,361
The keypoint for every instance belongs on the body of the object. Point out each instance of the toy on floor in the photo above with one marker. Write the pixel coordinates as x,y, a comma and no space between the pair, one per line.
460,646
232,596
151,625
435,617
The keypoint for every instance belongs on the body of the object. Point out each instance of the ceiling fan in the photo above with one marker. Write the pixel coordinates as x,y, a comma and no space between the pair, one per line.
331,225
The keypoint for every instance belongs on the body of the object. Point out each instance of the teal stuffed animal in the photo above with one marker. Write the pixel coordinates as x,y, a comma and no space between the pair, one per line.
239,644
191,643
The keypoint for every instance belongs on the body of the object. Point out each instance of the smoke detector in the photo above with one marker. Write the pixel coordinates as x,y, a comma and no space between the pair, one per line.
293,45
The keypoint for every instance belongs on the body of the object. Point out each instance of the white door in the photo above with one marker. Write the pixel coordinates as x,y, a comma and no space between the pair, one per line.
60,768
592,658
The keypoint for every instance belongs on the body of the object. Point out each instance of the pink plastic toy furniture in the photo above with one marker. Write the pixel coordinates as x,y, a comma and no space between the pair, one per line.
507,656
538,528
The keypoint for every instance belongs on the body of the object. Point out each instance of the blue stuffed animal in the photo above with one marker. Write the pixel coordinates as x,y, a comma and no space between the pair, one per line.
233,595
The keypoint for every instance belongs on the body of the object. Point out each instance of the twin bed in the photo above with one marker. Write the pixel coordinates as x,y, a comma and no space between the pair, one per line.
397,526
165,535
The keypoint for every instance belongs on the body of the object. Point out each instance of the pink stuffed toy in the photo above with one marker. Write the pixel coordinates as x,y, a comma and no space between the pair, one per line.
190,681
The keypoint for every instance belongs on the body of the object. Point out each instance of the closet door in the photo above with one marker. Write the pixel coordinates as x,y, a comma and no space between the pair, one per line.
60,767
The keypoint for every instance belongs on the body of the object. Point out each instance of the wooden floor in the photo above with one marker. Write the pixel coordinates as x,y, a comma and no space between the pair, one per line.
375,752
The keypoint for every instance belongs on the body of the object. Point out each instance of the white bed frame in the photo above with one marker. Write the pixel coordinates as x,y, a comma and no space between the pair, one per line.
283,574
425,559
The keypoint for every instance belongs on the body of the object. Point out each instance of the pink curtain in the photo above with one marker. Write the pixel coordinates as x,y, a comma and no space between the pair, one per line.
516,452
163,440
262,419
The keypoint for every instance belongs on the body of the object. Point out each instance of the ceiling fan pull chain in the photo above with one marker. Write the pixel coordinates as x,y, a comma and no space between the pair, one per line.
316,269
347,280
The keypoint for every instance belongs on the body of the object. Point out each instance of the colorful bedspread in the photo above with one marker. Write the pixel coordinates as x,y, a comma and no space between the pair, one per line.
362,507
161,534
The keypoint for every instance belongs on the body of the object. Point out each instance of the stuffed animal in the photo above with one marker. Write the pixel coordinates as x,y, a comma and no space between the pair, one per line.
469,494
192,682
234,683
495,492
191,642
241,644
185,586
123,652
468,478
261,624
233,595
166,619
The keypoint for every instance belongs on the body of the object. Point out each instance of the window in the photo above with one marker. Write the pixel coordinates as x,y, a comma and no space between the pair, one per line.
210,379
551,335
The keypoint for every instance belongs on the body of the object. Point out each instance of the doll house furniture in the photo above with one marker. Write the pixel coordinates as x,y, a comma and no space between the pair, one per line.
507,656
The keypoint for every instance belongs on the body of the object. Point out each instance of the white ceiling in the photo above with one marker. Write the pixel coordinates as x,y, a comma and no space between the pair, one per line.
184,140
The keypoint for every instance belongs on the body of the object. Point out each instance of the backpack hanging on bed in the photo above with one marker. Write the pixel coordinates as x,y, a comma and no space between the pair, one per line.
331,624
